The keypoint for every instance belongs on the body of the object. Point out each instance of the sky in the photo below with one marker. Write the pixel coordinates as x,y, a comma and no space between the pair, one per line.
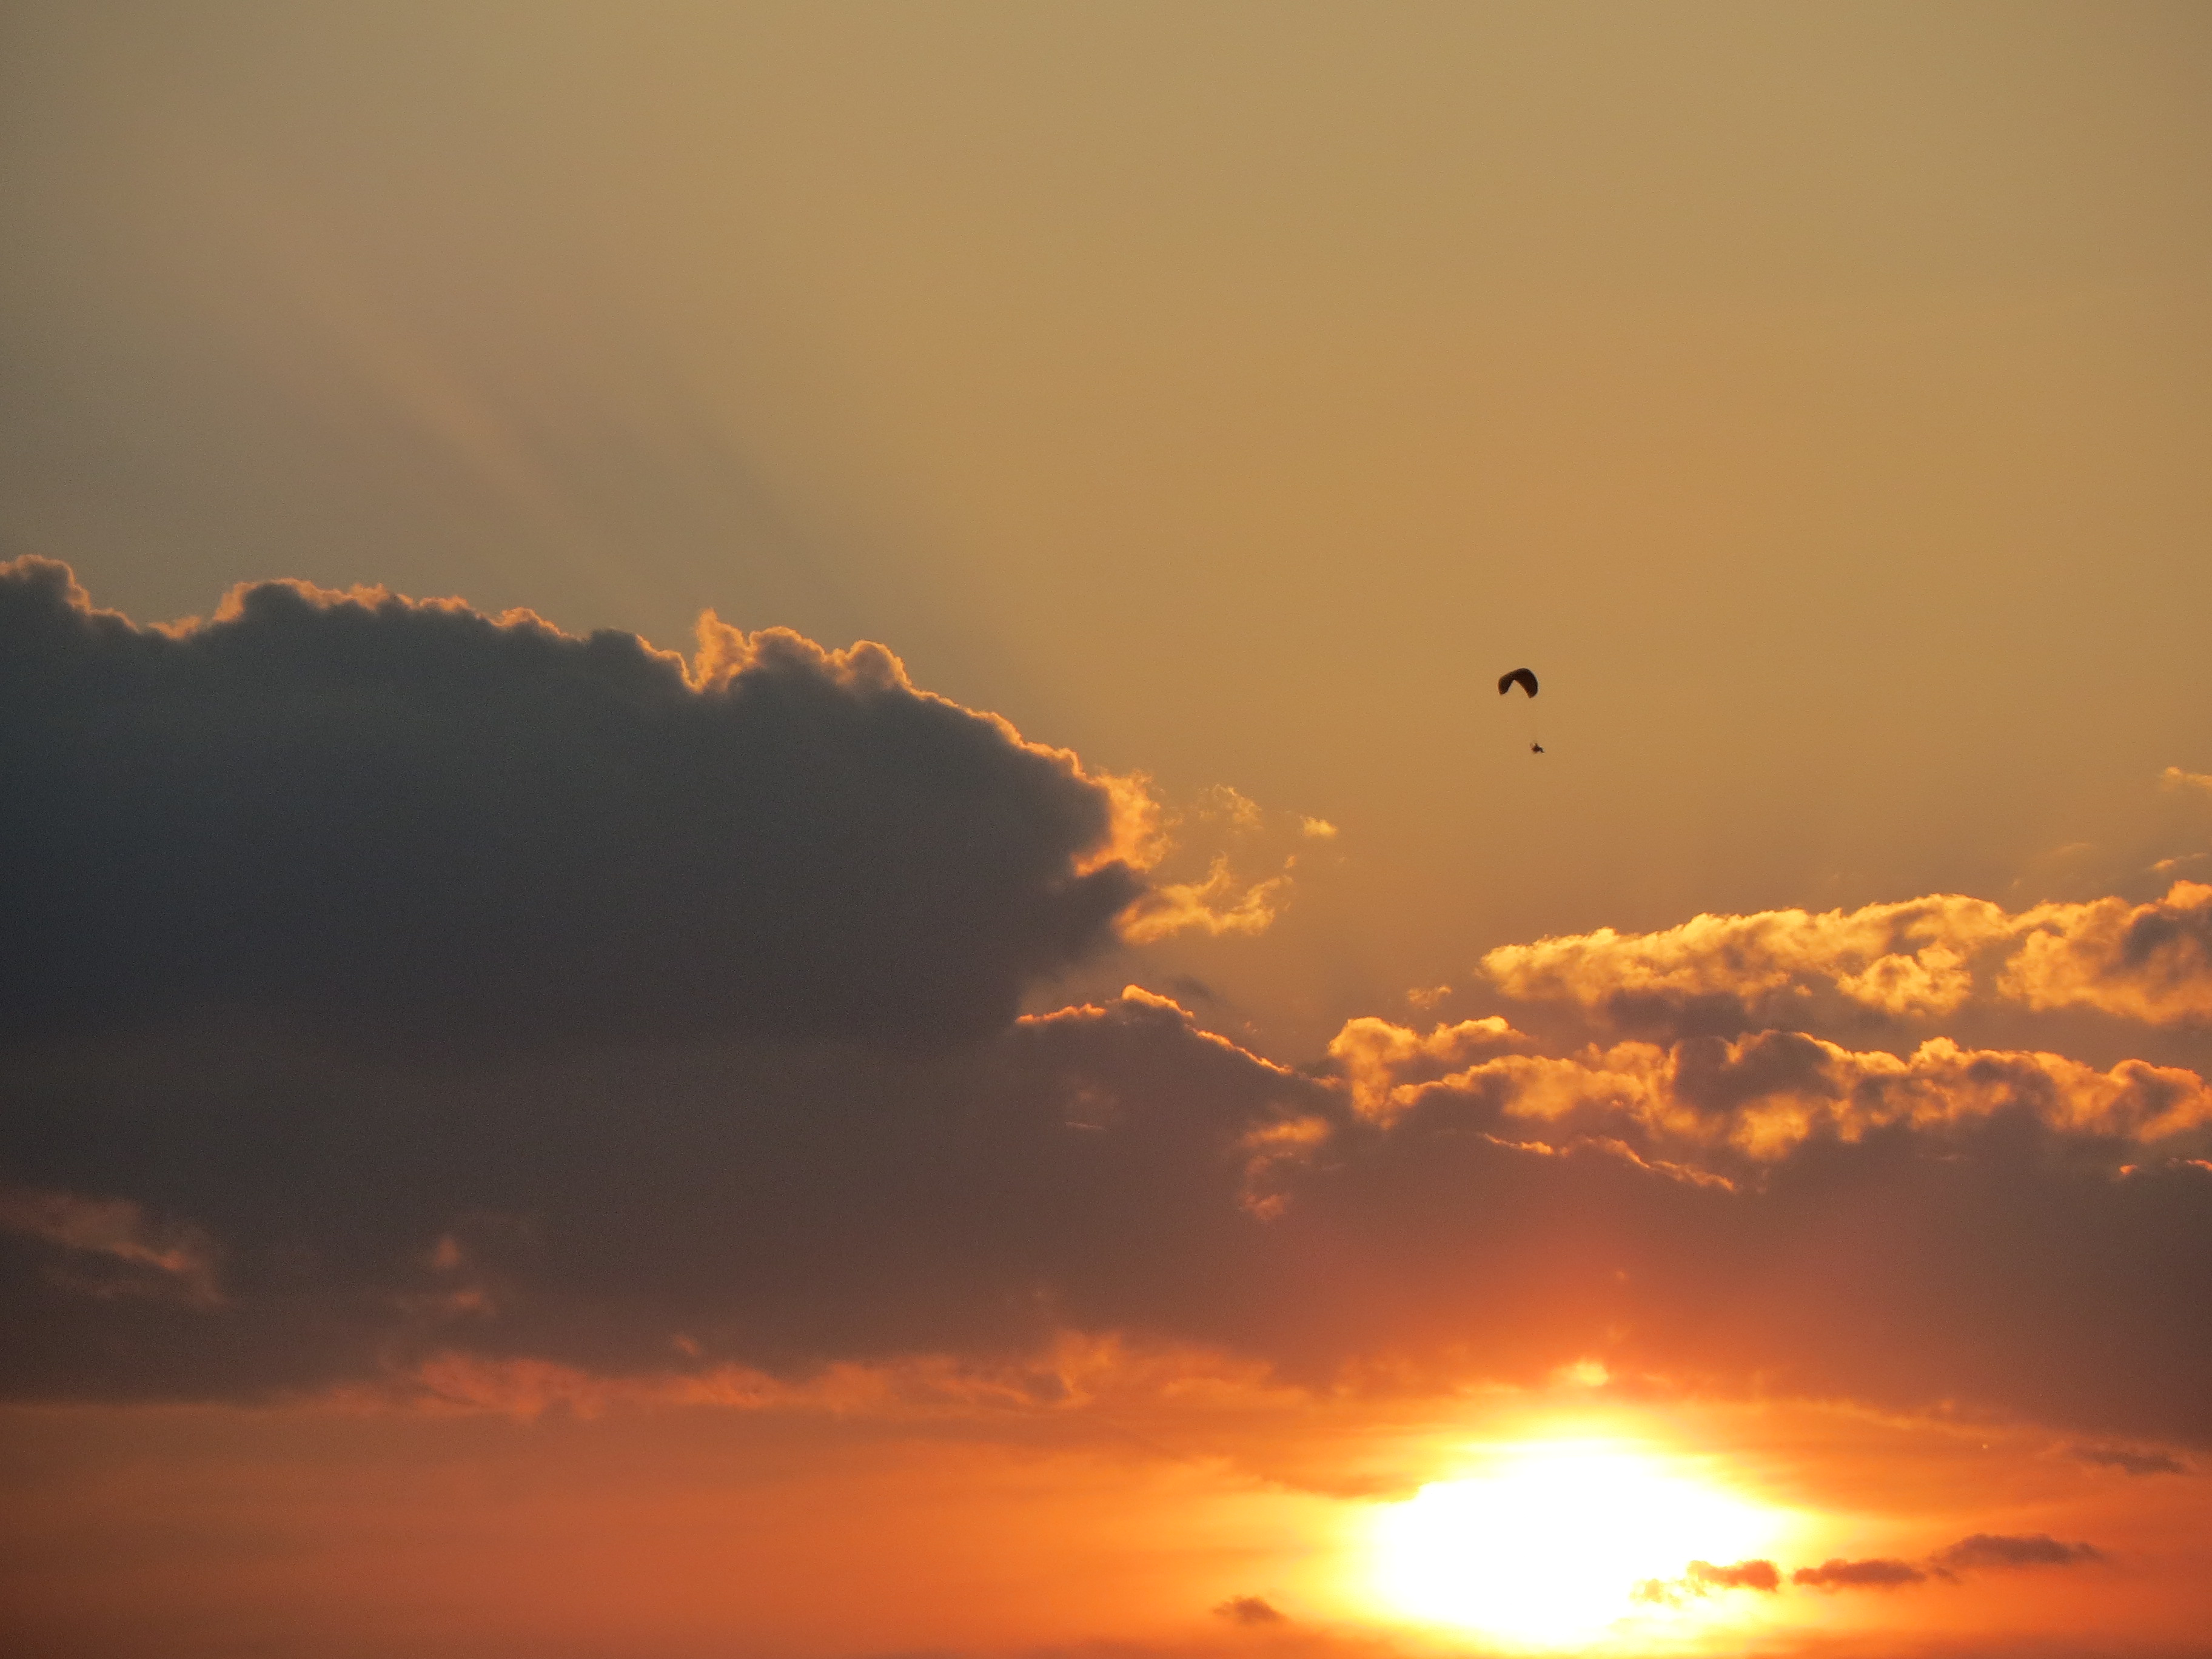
762,892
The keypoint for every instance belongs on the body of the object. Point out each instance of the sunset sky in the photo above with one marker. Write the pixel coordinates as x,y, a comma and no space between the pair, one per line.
762,895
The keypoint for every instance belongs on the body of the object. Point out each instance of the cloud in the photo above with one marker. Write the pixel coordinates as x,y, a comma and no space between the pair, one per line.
1225,900
1729,1106
2146,962
145,1258
1918,960
405,992
2174,778
1222,902
1986,1550
1248,1610
775,1205
1384,1065
1837,1574
1744,1575
365,814
1900,958
1704,1578
1983,1552
2128,1460
1103,1169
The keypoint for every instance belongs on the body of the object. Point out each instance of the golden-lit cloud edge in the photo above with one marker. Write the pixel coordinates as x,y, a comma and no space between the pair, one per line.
1923,959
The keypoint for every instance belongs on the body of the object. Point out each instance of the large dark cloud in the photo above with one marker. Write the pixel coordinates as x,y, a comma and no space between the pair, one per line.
301,1223
259,841
370,816
770,1202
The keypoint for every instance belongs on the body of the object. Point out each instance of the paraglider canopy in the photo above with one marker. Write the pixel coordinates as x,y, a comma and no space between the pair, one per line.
1520,677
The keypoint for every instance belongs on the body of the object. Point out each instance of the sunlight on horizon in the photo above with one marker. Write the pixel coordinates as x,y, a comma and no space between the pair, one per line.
1545,1547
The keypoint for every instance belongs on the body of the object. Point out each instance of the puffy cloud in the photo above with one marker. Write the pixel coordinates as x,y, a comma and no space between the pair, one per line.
1384,1065
1754,1100
1902,959
2148,962
1918,960
372,814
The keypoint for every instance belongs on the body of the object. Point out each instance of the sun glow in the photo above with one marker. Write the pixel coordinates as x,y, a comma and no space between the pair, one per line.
1548,1546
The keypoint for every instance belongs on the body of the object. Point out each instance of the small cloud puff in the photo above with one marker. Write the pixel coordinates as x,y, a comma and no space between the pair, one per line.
1705,1579
1249,1610
1227,899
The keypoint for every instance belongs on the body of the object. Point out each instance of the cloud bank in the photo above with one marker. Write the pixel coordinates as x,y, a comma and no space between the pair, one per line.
398,992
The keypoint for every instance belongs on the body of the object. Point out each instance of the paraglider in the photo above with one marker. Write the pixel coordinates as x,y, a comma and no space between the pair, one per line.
1520,677
1527,681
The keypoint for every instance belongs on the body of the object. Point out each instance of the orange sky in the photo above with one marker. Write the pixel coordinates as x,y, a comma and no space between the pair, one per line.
1050,1076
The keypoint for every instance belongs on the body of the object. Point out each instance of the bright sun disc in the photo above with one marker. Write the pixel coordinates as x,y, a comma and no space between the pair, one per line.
1548,1546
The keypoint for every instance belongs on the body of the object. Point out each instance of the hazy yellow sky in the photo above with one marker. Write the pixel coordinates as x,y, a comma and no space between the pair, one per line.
1818,397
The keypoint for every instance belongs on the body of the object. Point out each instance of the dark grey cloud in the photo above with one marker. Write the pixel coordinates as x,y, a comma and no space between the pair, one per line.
1112,1169
374,818
1981,1552
386,981
1988,1549
772,1202
1838,1574
2128,1460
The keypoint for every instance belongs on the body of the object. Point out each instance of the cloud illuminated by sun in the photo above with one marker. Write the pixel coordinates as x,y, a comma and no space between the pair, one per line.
1544,1547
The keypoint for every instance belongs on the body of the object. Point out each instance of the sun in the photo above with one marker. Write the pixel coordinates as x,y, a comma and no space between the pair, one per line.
1546,1546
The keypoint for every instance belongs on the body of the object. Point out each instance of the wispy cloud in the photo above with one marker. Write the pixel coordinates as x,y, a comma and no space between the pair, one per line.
175,1259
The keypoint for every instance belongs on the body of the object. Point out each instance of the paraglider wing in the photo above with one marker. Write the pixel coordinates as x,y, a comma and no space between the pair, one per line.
1520,677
